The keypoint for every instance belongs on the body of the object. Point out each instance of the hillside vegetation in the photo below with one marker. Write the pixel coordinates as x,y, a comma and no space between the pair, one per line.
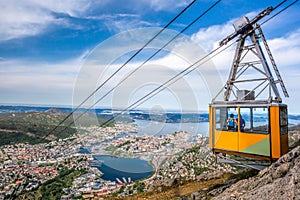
34,127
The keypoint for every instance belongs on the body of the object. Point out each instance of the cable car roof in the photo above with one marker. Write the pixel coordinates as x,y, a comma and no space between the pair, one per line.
245,103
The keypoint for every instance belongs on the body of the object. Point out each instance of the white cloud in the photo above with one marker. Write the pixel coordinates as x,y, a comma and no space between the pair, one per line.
27,18
210,37
69,7
112,16
179,55
167,5
117,25
285,50
18,73
38,82
32,17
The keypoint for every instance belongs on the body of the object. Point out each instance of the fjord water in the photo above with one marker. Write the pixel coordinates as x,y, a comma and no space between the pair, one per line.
147,127
115,167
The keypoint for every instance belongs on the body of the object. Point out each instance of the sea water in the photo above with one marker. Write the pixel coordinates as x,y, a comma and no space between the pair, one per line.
115,167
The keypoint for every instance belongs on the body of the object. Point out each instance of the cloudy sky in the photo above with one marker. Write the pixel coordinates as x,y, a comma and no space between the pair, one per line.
51,51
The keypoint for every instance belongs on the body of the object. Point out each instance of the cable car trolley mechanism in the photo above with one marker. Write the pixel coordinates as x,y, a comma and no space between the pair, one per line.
250,120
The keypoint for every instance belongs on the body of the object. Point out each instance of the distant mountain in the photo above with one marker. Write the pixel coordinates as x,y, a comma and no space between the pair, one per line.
32,127
34,124
170,117
107,113
57,111
21,109
294,117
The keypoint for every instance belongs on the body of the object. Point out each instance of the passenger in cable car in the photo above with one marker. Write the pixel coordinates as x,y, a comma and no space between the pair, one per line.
231,123
242,124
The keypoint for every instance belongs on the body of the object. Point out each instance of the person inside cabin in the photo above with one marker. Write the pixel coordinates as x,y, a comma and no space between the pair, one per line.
242,124
231,123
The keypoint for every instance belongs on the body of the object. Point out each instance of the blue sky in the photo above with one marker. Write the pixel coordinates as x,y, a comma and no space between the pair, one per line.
45,44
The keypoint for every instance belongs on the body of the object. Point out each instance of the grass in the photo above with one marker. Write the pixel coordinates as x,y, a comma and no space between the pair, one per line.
176,190
186,188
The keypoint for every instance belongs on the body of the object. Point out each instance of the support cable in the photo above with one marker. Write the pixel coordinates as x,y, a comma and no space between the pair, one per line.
131,73
280,10
98,88
185,72
171,81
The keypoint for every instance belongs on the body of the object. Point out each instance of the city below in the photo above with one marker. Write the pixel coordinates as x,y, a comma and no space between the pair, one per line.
96,161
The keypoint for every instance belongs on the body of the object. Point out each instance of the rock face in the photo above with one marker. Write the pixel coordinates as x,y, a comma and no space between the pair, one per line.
279,181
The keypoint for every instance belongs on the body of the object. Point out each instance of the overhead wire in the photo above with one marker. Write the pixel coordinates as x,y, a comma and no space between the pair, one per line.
140,66
160,88
134,55
279,11
170,82
278,5
185,72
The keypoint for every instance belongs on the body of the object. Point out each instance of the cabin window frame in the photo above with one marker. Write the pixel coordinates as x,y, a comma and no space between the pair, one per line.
254,127
283,120
221,114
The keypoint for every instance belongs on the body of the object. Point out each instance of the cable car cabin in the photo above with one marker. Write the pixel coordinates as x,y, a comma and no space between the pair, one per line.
251,119
257,130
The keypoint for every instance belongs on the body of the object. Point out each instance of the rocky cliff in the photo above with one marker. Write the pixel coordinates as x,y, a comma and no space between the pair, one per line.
279,181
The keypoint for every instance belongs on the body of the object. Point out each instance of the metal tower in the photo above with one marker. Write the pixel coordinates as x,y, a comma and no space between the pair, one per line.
250,56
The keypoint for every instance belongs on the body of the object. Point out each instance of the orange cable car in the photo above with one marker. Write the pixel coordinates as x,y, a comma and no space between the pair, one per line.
250,123
259,130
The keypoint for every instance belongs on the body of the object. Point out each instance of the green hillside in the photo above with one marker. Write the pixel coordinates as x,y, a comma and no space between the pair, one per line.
32,127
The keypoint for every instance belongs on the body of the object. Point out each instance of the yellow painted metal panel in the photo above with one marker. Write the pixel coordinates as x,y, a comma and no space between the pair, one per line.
260,148
226,140
211,127
248,139
275,131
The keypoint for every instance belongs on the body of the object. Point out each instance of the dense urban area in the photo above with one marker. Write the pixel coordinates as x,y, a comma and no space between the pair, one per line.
57,168
66,166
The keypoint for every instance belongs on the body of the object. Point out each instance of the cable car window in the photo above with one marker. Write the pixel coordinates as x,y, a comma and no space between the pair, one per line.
226,118
260,120
232,119
283,120
256,119
218,122
245,119
221,116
